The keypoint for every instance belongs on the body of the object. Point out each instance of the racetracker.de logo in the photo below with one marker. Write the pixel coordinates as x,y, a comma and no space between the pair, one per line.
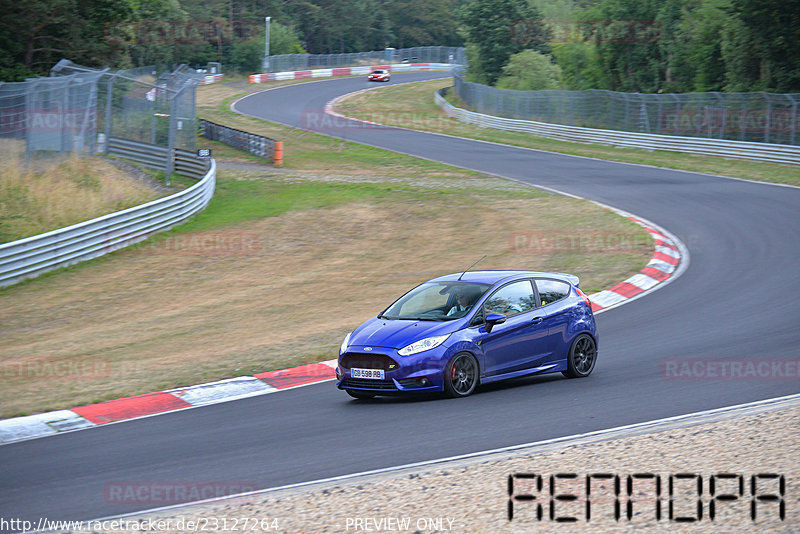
192,244
730,369
537,242
320,120
164,493
55,369
600,31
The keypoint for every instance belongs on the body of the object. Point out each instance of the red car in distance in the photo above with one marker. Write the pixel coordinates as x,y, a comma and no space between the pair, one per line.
379,75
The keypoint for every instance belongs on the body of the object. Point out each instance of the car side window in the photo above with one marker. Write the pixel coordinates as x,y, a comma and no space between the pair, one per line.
551,290
513,299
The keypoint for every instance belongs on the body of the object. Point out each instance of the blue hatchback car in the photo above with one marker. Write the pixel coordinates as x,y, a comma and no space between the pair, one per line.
460,330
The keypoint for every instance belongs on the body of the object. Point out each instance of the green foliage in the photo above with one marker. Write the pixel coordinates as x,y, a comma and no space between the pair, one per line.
580,68
496,29
625,45
631,63
247,56
760,47
35,34
530,71
698,46
415,23
283,40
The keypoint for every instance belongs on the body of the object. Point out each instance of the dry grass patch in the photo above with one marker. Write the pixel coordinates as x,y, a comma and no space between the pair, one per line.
62,192
180,312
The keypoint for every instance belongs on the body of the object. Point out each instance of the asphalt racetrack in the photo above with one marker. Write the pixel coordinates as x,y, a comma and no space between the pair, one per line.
738,300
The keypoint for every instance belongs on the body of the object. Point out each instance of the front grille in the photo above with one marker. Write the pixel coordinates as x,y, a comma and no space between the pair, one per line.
368,384
368,361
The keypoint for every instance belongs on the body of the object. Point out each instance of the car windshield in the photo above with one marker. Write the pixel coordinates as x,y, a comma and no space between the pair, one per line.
436,301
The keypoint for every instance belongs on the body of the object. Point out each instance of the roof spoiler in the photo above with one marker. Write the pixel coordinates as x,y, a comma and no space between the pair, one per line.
572,279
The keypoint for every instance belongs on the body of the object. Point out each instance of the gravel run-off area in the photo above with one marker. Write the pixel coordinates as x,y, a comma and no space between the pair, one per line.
472,495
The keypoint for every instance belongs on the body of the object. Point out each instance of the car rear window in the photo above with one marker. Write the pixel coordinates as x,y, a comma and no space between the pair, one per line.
551,290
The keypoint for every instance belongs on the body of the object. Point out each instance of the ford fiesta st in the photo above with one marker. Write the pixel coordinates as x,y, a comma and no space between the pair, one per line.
379,75
457,331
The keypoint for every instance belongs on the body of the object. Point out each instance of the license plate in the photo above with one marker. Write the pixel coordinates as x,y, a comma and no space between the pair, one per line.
372,374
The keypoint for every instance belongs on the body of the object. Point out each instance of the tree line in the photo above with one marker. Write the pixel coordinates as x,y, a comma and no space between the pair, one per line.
648,46
622,45
35,34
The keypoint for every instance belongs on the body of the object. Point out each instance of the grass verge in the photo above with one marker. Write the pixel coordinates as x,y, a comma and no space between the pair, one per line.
412,106
61,192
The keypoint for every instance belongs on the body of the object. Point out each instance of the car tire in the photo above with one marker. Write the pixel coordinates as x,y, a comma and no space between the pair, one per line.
582,357
361,395
461,376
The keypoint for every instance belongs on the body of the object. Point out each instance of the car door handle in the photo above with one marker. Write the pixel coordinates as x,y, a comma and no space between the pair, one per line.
537,320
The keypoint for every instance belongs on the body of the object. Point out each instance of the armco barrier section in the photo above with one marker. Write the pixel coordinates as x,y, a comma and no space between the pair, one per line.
786,154
154,156
346,71
32,256
255,144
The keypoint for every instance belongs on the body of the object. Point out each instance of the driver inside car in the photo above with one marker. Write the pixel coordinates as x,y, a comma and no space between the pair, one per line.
463,304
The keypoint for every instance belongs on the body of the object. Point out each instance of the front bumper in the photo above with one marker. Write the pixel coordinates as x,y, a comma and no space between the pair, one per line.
423,372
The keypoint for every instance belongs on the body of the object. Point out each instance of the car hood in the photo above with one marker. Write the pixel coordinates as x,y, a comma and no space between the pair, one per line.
396,334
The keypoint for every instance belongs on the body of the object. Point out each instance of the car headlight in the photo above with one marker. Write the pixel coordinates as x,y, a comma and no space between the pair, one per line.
345,343
422,345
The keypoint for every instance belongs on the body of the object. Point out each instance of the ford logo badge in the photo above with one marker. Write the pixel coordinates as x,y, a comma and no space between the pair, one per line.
367,349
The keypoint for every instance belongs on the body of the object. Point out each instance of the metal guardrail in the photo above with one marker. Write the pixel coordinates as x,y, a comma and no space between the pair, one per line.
155,157
786,154
258,145
32,256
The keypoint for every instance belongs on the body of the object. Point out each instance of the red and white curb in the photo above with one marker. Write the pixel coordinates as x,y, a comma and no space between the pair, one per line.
208,79
670,258
345,71
45,424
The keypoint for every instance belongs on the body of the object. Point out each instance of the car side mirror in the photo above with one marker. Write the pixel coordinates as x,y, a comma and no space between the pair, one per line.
493,319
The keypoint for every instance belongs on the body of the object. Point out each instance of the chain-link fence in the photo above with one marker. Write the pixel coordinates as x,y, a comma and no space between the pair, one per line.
420,54
753,117
81,110
50,114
